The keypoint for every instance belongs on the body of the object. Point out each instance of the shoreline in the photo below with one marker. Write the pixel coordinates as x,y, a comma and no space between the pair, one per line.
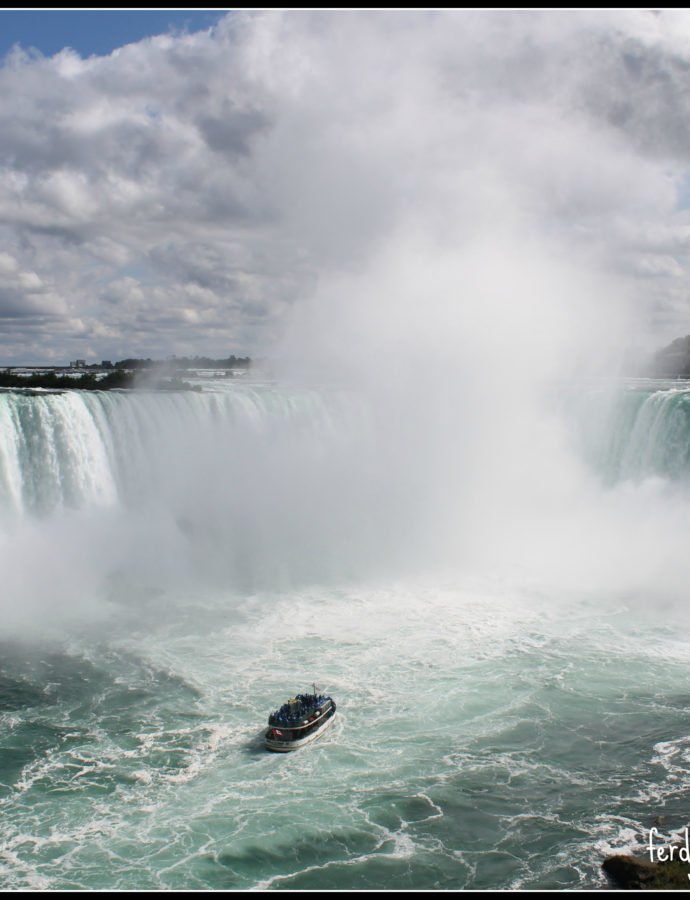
89,381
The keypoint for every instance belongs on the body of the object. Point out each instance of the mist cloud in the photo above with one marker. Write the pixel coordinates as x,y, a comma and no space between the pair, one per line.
212,192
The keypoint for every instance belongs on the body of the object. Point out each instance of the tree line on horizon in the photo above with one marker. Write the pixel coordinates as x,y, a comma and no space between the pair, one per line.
185,362
88,381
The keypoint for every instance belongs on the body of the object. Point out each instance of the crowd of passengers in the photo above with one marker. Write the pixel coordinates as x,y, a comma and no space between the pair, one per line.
307,702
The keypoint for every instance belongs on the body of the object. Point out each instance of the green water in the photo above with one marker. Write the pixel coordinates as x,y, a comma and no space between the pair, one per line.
483,740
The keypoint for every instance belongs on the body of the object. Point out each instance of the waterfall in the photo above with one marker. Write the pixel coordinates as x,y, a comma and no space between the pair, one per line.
106,496
130,492
81,448
636,432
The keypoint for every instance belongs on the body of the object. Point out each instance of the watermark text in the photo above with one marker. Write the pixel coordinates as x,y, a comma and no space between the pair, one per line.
667,852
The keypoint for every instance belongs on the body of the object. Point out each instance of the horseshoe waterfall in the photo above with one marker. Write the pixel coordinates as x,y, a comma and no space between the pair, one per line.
493,591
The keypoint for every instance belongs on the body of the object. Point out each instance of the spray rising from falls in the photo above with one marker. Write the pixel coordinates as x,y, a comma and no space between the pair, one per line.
121,496
127,494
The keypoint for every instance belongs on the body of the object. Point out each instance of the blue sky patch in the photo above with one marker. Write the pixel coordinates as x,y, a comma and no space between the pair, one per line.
95,31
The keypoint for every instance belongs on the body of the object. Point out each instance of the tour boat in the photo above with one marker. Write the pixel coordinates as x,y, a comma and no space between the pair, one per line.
299,721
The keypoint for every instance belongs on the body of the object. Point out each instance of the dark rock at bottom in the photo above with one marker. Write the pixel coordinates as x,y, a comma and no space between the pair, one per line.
639,873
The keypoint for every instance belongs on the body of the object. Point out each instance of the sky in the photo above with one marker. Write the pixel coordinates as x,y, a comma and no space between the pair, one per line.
346,184
95,31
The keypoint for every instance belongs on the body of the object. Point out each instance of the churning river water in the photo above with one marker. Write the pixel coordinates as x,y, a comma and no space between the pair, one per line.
511,678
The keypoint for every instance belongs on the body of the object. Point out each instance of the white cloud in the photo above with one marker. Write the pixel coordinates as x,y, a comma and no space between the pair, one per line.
187,194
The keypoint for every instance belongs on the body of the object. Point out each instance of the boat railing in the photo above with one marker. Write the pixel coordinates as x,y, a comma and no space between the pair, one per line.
296,722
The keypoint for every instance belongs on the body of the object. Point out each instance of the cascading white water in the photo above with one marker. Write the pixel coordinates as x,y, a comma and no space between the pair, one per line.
248,485
255,485
637,431
52,454
76,449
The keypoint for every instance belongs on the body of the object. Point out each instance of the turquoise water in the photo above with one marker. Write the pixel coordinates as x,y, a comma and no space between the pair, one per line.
501,724
637,431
